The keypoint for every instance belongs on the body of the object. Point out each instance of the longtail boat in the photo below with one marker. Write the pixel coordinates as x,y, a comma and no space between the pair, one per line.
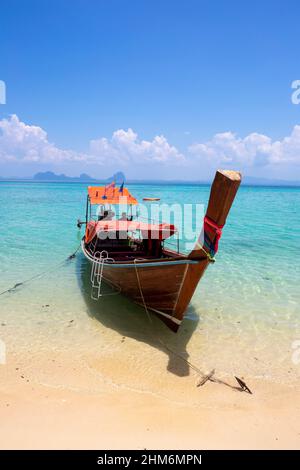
143,268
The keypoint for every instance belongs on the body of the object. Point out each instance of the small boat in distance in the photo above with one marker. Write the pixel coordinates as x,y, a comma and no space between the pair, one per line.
151,199
132,256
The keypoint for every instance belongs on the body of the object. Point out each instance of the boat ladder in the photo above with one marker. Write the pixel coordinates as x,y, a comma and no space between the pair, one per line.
100,258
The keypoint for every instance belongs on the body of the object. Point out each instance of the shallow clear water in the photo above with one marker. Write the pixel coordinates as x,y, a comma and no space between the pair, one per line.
243,318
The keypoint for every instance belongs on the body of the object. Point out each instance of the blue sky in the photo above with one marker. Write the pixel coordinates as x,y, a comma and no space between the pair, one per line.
163,89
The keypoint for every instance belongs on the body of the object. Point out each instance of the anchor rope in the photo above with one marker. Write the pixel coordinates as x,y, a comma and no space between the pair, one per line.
210,377
41,274
157,338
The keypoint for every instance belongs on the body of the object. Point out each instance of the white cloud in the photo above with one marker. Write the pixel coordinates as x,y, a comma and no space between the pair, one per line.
287,150
125,147
254,150
21,142
27,143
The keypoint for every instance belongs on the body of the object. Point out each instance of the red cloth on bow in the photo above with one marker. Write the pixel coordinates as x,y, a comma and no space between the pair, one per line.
216,230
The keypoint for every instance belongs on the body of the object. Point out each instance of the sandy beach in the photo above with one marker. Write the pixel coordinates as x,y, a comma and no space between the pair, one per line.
64,404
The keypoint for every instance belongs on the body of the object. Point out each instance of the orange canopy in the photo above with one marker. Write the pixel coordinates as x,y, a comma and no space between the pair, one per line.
110,195
149,230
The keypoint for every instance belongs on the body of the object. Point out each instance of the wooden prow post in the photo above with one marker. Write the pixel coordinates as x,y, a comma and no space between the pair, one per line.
222,194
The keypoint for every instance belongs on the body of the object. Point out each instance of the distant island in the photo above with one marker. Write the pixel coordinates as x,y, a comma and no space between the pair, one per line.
49,176
119,178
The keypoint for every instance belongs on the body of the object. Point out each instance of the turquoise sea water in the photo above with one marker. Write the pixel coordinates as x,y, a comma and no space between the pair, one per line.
244,316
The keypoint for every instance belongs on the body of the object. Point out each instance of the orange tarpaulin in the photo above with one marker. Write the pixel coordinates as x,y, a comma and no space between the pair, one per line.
110,195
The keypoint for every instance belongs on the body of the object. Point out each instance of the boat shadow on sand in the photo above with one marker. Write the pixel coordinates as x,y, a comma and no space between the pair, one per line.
128,319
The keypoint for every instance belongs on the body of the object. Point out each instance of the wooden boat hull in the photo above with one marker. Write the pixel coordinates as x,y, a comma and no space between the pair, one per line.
165,287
